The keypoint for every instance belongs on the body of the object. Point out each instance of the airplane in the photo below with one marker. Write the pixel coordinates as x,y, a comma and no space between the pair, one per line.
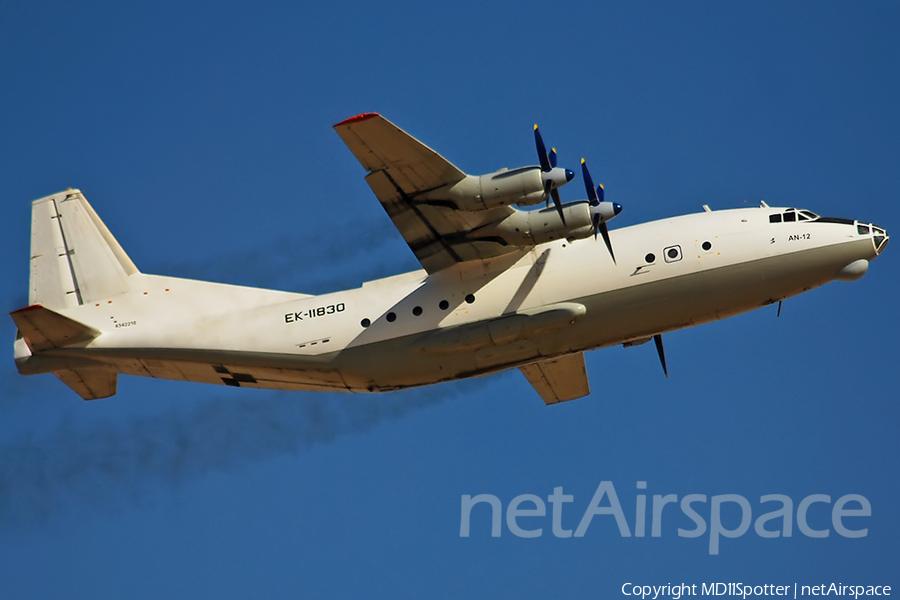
505,283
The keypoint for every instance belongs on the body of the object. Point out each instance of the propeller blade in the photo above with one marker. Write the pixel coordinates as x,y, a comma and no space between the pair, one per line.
589,184
600,193
779,308
605,233
541,150
662,353
554,193
553,157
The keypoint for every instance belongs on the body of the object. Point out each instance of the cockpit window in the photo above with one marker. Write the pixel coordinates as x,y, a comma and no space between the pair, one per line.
862,229
791,215
835,220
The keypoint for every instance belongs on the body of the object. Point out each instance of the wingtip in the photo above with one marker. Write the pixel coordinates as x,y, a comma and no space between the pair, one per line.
355,118
29,308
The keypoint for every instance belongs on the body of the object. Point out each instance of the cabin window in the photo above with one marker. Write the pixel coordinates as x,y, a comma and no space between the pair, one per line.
391,317
650,258
672,254
365,322
417,311
444,305
706,246
470,298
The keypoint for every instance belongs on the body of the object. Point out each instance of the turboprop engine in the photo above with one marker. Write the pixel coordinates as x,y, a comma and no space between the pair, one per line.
574,221
525,186
527,228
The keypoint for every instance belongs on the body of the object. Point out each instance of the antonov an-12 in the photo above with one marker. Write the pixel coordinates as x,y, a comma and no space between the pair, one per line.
501,287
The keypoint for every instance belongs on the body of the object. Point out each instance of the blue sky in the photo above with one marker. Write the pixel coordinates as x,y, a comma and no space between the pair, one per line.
201,133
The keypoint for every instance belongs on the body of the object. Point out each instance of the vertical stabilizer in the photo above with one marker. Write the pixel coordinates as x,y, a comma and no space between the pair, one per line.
74,257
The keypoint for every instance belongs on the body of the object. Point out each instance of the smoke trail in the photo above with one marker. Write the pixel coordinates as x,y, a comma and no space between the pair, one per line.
323,261
37,478
109,464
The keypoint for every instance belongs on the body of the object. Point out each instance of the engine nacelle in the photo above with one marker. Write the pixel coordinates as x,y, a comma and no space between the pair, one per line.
528,228
525,186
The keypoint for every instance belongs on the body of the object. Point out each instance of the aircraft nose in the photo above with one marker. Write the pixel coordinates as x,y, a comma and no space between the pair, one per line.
880,239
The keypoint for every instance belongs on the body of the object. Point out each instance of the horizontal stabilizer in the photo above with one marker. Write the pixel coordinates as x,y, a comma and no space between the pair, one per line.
559,379
90,384
43,328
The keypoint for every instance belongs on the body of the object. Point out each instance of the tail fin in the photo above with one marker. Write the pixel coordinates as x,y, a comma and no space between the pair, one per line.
74,257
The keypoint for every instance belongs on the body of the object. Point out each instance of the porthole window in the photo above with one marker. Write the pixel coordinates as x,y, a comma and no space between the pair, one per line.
444,305
650,258
365,322
672,254
391,317
706,246
417,311
470,298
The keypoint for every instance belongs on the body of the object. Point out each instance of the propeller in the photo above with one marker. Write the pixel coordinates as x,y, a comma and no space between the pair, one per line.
601,211
553,177
662,353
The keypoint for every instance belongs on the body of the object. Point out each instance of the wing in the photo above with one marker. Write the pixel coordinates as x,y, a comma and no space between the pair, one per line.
402,170
559,379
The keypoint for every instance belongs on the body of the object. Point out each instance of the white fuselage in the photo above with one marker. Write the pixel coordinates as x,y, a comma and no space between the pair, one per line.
474,318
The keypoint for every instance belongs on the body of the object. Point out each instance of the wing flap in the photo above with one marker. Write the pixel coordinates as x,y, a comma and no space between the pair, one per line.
436,234
559,379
